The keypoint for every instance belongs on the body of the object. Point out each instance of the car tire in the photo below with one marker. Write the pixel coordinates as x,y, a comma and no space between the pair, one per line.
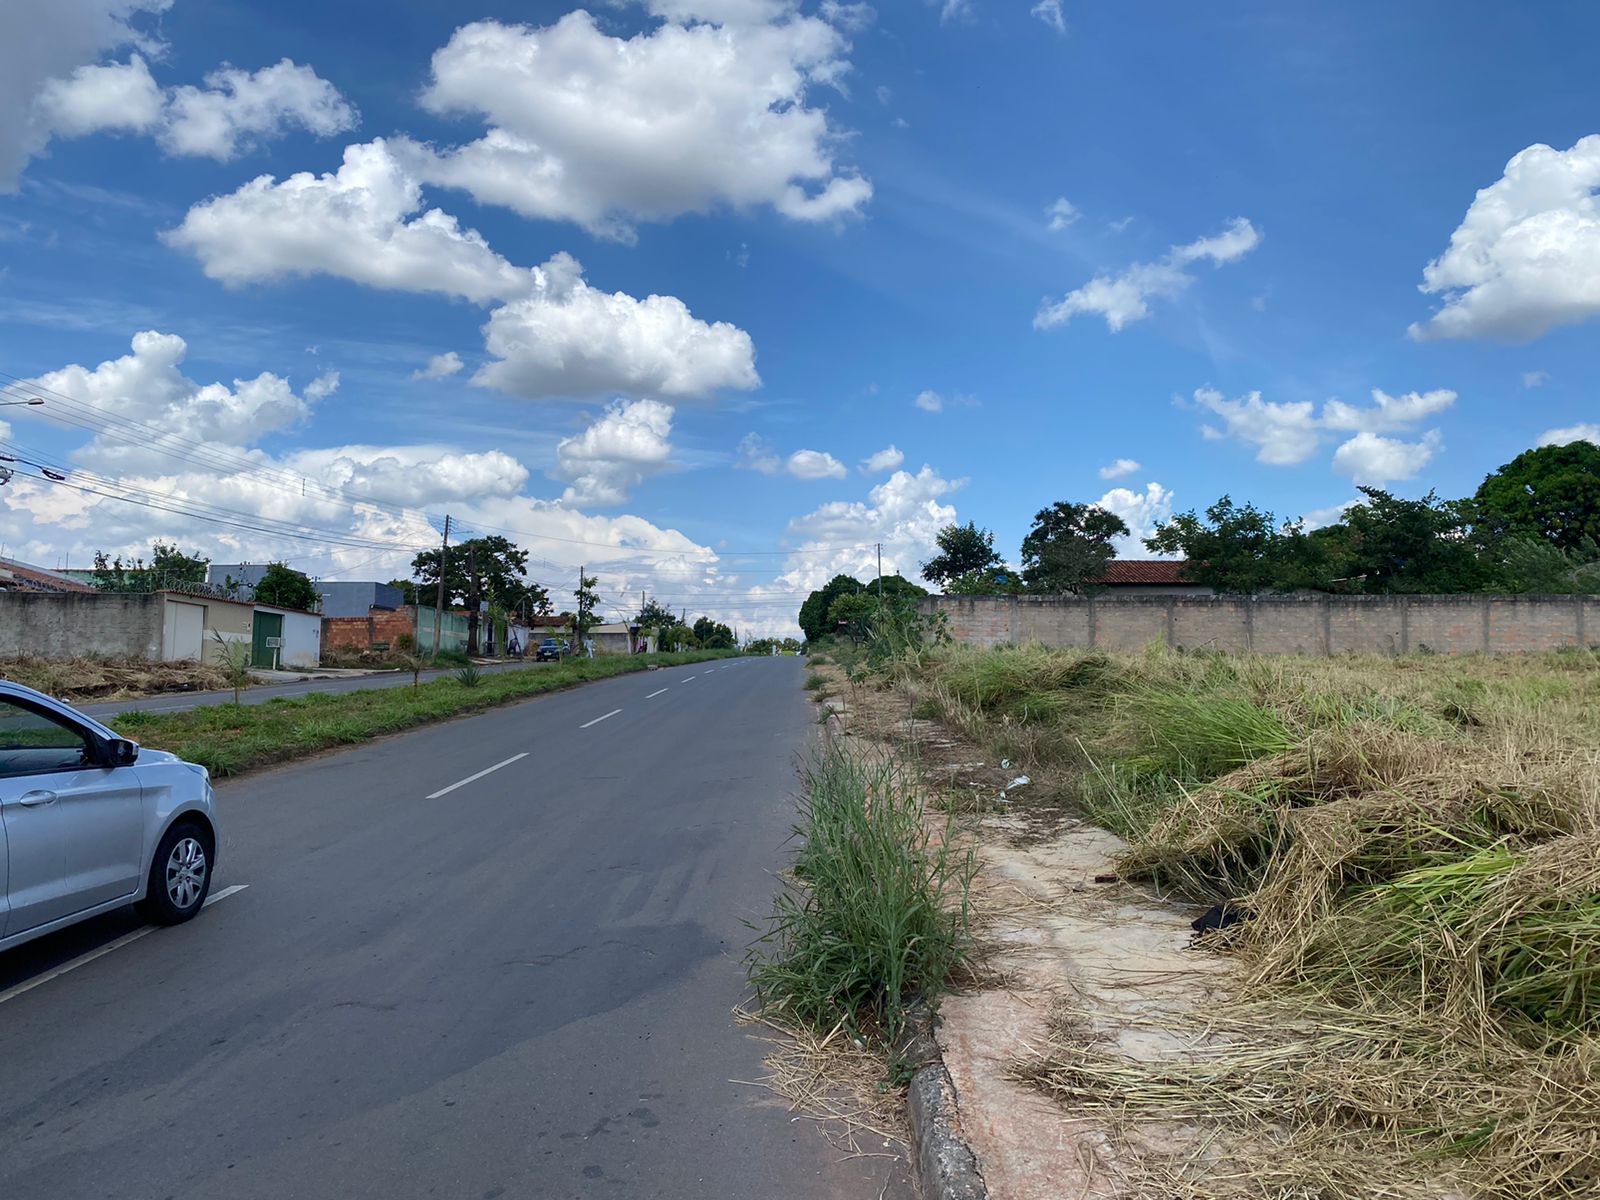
180,875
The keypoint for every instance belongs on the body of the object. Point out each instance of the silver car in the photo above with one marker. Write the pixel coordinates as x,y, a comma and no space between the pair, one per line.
89,822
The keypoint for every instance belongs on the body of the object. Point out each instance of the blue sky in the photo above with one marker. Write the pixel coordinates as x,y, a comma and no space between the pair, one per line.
1025,245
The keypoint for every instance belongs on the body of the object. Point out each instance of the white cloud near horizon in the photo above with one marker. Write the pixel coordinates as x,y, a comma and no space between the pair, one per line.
1370,459
1290,432
1141,512
903,512
1125,298
607,132
1526,257
1585,432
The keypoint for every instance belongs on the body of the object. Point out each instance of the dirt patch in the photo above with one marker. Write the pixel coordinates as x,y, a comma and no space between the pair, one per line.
81,679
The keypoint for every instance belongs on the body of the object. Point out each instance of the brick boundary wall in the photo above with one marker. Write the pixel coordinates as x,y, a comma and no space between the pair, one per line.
363,633
1300,624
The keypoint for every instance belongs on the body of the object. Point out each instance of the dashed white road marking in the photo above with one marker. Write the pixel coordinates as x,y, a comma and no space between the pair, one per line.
445,791
597,720
686,678
101,951
653,695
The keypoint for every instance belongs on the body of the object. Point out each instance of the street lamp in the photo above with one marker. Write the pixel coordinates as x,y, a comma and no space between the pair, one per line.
34,402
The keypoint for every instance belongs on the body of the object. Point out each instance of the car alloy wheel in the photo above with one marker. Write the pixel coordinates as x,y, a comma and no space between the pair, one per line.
186,873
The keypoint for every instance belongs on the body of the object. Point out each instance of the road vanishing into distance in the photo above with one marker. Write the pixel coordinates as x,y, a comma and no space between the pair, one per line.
492,958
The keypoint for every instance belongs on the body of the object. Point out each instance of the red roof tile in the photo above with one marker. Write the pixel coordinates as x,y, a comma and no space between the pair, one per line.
1143,570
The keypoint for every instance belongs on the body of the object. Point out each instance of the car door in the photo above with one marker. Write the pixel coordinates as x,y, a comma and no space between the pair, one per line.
74,830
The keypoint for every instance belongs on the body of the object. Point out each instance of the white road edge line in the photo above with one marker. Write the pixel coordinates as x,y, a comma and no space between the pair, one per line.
471,778
596,721
686,678
653,695
100,952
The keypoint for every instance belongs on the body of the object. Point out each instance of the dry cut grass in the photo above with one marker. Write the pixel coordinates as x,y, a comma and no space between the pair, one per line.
80,679
1416,845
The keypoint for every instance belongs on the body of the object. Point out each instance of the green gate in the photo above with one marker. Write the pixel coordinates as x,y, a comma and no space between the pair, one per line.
266,637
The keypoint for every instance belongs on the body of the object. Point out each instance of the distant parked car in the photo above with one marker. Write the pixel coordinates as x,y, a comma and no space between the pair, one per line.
89,822
550,650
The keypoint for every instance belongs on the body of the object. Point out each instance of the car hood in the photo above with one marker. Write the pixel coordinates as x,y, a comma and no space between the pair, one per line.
151,758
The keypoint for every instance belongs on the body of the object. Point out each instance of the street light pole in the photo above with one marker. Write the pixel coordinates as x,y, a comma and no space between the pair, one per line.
34,402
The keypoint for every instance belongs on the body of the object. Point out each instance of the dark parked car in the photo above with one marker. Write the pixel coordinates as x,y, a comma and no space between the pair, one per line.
550,650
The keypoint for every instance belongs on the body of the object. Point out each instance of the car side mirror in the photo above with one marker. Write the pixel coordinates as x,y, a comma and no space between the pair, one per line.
122,752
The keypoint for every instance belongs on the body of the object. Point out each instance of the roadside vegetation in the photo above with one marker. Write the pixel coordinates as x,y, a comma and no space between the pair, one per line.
229,739
1409,852
874,917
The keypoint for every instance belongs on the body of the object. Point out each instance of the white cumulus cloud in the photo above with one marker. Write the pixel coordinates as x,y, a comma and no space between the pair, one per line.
1116,470
566,338
1533,379
815,464
1526,257
607,131
236,110
1289,432
1125,298
352,224
903,512
1141,512
1586,432
440,366
929,401
1371,459
627,445
890,458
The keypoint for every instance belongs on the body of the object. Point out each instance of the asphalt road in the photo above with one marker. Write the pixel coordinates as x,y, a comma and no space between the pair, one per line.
435,985
262,692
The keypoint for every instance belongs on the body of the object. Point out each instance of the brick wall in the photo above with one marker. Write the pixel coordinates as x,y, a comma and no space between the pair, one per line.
1307,624
379,627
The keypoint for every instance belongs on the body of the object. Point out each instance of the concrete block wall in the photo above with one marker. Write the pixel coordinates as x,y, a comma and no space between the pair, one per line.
71,624
1300,624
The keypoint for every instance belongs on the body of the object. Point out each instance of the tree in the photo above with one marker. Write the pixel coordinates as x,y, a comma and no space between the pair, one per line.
677,637
588,600
654,615
1069,547
858,614
169,568
408,590
1389,545
1552,492
1532,565
964,551
285,588
813,619
501,575
1240,549
713,635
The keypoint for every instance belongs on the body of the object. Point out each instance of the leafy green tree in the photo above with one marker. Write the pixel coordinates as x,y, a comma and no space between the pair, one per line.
584,619
501,575
964,551
713,635
857,614
286,588
1237,548
408,590
1552,492
677,637
169,567
1532,565
1069,547
655,615
1387,544
813,618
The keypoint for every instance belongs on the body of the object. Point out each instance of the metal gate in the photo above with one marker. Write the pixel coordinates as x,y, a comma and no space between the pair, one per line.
266,636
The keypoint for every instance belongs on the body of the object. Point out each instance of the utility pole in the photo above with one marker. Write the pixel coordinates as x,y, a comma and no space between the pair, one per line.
472,603
577,621
438,607
880,572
